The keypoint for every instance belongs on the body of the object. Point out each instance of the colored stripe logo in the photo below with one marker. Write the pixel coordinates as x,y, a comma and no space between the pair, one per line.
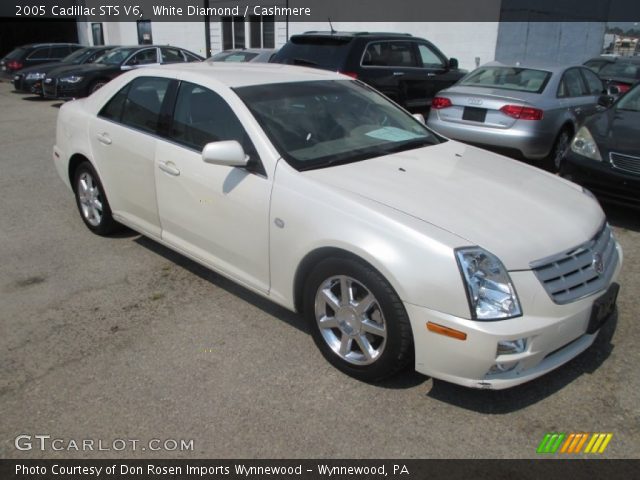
574,443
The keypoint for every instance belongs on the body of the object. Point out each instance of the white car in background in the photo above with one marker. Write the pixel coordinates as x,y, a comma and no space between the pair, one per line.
311,189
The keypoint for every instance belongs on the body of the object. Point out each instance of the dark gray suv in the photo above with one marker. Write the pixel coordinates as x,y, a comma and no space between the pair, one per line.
407,69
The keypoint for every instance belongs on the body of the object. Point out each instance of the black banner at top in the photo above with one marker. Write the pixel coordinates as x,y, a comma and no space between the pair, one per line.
322,10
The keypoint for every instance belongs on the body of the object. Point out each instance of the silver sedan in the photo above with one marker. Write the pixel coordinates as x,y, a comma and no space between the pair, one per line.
526,112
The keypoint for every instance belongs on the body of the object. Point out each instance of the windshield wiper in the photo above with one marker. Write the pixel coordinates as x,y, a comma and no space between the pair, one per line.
408,145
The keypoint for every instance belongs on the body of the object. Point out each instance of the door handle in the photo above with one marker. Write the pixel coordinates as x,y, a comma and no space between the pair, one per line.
578,111
397,74
431,74
104,138
169,168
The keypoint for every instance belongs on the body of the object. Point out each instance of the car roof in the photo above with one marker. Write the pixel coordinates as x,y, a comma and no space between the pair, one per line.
235,75
46,44
352,34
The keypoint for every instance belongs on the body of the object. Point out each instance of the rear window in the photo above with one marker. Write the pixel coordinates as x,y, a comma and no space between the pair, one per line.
621,69
508,78
17,53
234,57
328,53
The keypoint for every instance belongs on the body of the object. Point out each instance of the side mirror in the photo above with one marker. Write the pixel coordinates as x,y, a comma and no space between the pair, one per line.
605,100
419,117
126,67
227,153
613,90
453,63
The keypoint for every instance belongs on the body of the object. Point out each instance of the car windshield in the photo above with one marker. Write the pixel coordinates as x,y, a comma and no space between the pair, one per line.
508,78
78,56
621,69
116,57
316,124
630,101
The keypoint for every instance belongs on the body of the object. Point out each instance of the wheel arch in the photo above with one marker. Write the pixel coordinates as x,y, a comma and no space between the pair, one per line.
74,162
317,255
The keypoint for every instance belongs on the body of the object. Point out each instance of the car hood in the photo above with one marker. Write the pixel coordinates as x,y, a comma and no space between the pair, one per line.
616,130
82,69
518,212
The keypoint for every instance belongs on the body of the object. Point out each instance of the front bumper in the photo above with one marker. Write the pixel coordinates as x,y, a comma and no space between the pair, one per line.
607,183
63,91
554,335
21,84
521,139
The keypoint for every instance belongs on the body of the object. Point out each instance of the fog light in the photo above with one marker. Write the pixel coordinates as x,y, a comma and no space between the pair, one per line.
509,347
502,368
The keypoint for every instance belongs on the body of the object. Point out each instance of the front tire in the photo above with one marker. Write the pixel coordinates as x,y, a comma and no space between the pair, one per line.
357,320
92,201
97,85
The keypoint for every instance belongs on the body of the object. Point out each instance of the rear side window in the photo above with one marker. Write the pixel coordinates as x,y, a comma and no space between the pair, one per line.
571,84
390,54
202,116
59,52
39,54
113,109
328,53
171,55
594,84
142,105
144,57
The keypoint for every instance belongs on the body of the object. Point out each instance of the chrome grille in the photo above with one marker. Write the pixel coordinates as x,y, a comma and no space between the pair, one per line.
628,163
581,271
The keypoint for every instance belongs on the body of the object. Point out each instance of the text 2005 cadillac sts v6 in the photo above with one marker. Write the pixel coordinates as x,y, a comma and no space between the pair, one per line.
313,190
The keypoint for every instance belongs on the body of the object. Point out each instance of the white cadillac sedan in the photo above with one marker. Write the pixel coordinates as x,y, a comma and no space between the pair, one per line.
397,245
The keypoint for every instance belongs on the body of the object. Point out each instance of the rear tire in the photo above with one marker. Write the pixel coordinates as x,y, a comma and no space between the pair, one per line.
92,201
357,320
553,161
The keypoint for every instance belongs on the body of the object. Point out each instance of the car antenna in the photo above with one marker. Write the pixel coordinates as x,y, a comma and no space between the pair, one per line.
330,25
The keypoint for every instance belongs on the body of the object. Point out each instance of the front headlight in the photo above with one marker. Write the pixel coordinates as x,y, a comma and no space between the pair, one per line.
71,79
584,144
489,288
35,76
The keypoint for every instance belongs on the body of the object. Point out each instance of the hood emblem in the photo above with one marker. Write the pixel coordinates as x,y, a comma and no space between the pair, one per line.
598,263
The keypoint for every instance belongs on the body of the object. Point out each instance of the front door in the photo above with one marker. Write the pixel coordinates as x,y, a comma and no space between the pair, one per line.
217,214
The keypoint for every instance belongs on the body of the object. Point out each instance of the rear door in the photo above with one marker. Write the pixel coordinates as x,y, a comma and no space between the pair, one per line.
392,68
575,96
38,56
123,141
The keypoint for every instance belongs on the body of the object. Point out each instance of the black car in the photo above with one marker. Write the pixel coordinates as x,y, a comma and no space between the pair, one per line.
30,79
81,80
407,69
620,72
35,54
604,155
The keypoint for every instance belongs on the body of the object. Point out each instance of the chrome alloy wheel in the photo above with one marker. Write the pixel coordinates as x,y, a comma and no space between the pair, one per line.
90,199
561,148
350,320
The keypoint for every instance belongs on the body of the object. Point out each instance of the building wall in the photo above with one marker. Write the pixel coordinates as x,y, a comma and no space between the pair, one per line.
549,42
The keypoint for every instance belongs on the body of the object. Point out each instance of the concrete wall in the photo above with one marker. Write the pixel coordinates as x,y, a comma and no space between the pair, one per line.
549,42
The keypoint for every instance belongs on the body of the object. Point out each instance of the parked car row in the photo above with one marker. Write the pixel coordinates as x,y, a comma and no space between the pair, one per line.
84,71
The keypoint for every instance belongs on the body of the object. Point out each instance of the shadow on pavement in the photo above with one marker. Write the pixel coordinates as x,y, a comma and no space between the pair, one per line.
622,217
